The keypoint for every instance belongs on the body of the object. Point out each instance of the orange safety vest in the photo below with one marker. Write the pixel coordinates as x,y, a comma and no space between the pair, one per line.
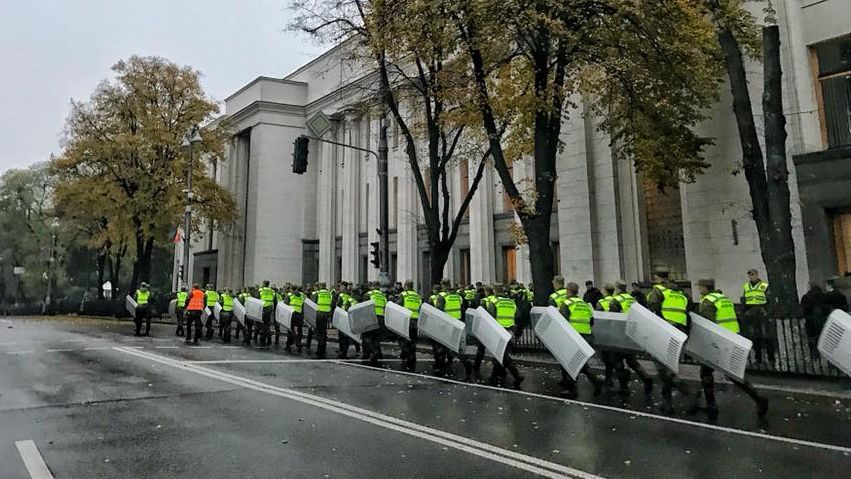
196,300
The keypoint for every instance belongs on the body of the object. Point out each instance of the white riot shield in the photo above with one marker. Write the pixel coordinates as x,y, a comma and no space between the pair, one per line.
656,336
537,311
398,319
130,305
718,347
284,315
309,310
340,321
488,331
469,346
610,333
172,308
217,311
362,318
835,340
239,312
570,349
205,313
254,309
440,327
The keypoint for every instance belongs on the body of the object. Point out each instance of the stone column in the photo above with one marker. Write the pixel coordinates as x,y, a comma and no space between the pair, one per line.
482,254
351,206
326,195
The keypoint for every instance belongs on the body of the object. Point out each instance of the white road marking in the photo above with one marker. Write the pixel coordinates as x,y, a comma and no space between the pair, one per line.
20,352
32,460
631,412
96,348
58,350
521,461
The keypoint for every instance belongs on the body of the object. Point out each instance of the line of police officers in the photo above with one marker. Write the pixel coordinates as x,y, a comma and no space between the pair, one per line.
509,306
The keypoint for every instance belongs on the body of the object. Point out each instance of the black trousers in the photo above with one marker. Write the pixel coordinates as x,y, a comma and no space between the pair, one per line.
762,331
499,371
263,328
193,317
239,328
372,344
225,318
296,331
209,326
707,381
143,313
179,313
322,333
408,348
619,365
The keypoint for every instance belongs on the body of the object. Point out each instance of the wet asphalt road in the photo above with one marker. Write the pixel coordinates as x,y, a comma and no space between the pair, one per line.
101,404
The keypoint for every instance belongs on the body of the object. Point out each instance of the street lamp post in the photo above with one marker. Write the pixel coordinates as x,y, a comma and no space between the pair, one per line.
48,300
384,222
189,141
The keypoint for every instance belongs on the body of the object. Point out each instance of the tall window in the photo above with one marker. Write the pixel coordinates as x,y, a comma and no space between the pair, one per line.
465,266
509,264
395,218
834,90
842,241
366,210
465,182
556,258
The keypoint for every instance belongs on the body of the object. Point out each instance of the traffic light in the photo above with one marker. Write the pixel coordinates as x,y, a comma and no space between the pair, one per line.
300,154
376,255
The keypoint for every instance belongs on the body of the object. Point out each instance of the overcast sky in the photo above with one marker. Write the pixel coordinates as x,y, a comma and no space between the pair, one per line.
55,50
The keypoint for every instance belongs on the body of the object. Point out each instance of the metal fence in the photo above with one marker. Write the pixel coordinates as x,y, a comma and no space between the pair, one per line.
781,345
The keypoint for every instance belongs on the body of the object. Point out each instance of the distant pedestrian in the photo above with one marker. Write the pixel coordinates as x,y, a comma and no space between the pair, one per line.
143,309
592,294
639,295
755,322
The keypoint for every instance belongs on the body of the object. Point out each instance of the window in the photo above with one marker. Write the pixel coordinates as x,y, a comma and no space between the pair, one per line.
366,211
338,274
509,264
465,183
834,90
556,258
465,266
842,241
395,217
364,269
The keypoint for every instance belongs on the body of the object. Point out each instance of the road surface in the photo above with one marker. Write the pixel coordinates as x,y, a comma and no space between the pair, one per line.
96,402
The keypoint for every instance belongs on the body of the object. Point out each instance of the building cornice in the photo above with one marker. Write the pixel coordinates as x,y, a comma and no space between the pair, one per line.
265,106
269,79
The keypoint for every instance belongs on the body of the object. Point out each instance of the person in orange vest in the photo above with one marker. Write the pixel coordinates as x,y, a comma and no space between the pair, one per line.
193,313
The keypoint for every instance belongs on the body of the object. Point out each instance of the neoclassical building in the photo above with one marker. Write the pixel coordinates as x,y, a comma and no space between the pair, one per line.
608,224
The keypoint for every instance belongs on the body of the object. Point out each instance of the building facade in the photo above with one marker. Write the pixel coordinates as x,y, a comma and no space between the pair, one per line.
608,222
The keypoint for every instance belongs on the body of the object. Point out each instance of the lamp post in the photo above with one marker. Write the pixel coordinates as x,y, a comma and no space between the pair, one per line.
48,300
189,141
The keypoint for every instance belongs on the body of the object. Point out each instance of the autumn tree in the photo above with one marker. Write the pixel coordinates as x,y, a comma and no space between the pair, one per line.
423,88
646,70
123,149
767,174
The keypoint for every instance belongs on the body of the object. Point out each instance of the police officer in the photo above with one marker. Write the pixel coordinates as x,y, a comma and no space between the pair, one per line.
295,298
621,304
279,298
242,296
211,297
267,295
410,300
179,307
487,302
580,315
669,302
226,315
372,339
755,320
143,309
344,301
450,303
505,311
193,313
323,299
717,307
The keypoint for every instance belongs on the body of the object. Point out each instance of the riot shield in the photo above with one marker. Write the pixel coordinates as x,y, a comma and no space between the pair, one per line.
239,312
718,347
537,311
488,331
309,310
205,313
284,315
610,333
130,305
340,321
217,311
172,308
440,327
656,336
570,349
254,309
835,340
398,320
362,318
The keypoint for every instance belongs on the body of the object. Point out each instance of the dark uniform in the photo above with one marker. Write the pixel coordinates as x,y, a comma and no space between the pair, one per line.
506,313
226,315
143,310
372,339
179,307
580,315
296,301
410,300
211,297
323,299
670,303
755,321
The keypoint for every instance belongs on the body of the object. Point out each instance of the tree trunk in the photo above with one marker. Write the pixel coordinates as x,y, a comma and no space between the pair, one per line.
779,254
537,229
142,267
114,273
438,256
101,266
